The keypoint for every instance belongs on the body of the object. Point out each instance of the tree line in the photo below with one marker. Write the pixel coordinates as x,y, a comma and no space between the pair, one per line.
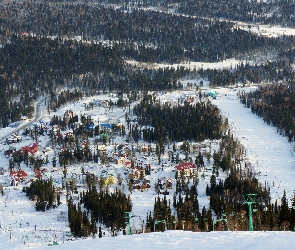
36,66
275,12
163,123
140,34
274,103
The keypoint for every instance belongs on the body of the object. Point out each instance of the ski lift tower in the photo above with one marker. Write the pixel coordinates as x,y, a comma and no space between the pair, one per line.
128,216
249,199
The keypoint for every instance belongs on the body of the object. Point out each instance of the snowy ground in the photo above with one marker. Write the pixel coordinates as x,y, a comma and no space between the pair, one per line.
170,240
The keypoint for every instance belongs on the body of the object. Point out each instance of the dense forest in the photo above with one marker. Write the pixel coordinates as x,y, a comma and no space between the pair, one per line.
275,105
275,12
43,193
50,45
171,123
140,34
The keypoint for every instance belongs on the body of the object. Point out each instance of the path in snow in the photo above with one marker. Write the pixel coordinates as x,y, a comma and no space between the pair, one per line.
268,152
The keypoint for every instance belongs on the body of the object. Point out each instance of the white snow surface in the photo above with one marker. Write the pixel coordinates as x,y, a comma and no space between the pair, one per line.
270,154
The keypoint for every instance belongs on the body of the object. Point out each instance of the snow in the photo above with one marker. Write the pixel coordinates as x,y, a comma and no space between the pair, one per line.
270,154
170,240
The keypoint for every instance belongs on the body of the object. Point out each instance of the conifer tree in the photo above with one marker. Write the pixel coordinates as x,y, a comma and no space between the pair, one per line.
284,213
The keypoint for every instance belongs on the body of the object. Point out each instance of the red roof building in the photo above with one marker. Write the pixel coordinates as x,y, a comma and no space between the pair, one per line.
187,167
19,174
31,149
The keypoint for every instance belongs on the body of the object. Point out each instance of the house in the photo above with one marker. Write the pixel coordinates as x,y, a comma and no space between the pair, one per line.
84,144
91,127
69,114
164,183
13,138
106,126
101,148
14,124
121,161
127,164
136,173
97,103
141,184
31,149
23,118
55,129
8,153
16,177
212,93
110,179
42,173
186,167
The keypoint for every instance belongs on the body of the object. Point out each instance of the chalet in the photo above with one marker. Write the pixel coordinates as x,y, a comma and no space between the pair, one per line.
110,179
16,177
13,138
141,184
164,183
31,149
186,167
136,173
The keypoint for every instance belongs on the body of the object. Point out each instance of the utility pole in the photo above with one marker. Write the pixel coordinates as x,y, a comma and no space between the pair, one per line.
249,200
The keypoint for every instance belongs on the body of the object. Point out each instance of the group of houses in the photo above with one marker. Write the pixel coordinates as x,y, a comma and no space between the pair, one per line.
14,138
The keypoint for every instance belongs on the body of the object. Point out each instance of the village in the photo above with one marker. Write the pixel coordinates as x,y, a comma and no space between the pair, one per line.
108,156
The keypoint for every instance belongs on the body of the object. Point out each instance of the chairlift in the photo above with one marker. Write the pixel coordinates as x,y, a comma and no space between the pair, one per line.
254,209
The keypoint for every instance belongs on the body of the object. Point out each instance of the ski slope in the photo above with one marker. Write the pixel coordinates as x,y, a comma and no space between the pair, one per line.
271,155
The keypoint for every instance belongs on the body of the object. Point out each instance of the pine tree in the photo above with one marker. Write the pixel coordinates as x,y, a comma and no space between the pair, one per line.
284,213
292,214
